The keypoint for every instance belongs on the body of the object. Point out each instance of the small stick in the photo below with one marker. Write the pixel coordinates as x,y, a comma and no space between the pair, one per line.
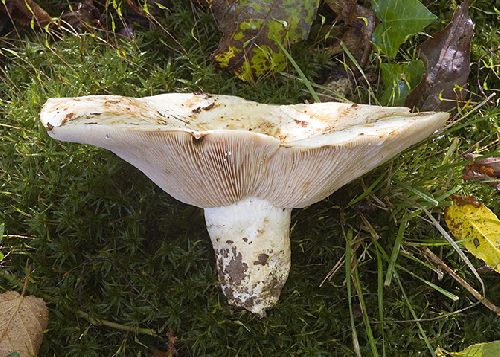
100,322
483,300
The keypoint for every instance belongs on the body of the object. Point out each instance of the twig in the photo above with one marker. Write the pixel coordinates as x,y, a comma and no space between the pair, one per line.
456,247
483,300
332,271
117,326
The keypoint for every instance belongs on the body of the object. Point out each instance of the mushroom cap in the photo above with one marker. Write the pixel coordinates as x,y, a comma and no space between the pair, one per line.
212,151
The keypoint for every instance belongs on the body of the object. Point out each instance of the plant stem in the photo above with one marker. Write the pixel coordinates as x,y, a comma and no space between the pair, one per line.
117,326
483,300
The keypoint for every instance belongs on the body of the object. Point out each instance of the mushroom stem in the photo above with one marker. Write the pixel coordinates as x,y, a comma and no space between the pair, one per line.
251,240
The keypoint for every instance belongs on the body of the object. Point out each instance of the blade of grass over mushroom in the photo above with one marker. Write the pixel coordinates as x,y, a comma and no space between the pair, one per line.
348,280
396,248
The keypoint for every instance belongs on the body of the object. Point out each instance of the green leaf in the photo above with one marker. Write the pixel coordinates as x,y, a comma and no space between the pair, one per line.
399,80
399,19
252,30
487,349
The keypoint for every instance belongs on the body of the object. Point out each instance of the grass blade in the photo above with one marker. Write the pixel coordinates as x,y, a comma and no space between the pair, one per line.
348,257
380,297
395,249
366,319
420,328
301,74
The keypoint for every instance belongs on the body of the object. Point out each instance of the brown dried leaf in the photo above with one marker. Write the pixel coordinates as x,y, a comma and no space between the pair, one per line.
22,321
345,9
85,13
465,200
170,350
360,25
485,169
447,59
22,12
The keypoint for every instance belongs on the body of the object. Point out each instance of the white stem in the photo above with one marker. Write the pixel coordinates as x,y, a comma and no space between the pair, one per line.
251,239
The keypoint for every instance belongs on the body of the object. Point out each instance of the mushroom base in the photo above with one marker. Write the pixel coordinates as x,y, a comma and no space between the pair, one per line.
251,240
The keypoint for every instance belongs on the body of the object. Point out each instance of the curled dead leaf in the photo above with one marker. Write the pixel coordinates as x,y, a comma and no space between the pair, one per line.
447,59
345,9
360,23
84,14
465,200
24,13
22,321
484,170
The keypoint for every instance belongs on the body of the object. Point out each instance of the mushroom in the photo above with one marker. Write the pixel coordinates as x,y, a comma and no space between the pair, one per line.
246,164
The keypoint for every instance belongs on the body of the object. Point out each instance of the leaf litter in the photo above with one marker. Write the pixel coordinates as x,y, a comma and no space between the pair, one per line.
486,170
447,59
253,30
22,322
479,229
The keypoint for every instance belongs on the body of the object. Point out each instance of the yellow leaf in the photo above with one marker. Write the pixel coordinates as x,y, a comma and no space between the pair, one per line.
22,321
480,230
487,349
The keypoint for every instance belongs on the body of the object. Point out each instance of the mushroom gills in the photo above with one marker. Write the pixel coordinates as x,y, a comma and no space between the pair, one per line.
251,240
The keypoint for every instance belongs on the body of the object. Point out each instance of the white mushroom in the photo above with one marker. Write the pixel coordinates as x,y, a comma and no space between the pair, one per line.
246,164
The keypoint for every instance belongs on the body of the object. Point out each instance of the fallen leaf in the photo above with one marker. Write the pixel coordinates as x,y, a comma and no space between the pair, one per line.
171,343
360,23
479,228
485,170
170,349
252,30
447,59
345,9
399,19
486,349
84,14
465,200
399,79
25,12
22,321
